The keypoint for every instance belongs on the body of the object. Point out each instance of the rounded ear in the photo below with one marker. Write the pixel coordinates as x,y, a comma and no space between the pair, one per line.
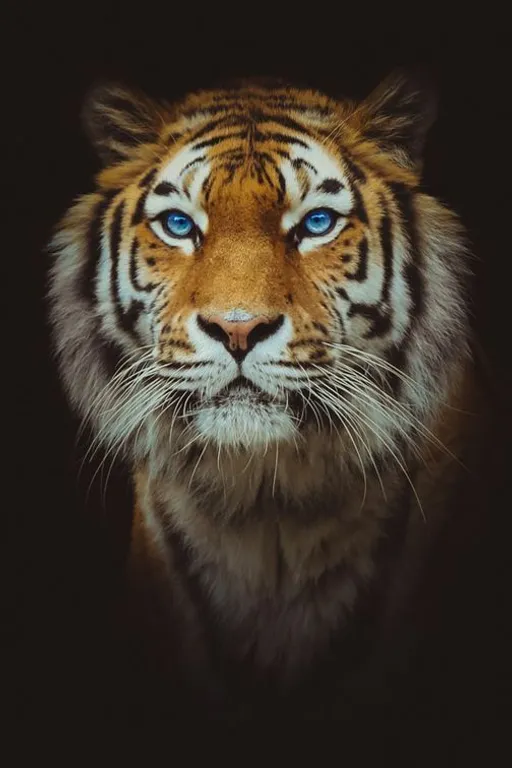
117,119
399,112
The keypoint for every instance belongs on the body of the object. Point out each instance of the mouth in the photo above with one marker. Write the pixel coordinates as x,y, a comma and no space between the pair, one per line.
241,389
241,415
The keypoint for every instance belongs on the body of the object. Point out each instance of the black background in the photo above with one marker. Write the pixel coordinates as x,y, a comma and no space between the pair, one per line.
70,533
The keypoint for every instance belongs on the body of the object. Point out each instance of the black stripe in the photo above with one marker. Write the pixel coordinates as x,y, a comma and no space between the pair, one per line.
147,179
412,271
165,188
130,317
319,327
396,355
265,175
115,242
207,187
219,139
268,158
138,214
233,102
380,316
264,157
283,138
414,281
125,319
330,186
134,278
358,210
355,172
233,154
178,344
211,125
334,310
362,266
342,292
87,284
173,365
385,235
230,169
281,185
306,188
403,198
298,162
379,319
285,121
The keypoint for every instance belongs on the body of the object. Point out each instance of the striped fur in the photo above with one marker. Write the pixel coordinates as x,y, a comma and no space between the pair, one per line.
275,473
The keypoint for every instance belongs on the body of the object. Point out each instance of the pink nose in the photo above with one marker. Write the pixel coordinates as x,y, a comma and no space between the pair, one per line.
239,337
238,332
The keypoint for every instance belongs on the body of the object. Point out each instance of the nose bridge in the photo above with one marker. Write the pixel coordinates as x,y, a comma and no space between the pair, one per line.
239,274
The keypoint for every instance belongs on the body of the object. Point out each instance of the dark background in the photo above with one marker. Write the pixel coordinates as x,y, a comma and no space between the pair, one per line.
70,534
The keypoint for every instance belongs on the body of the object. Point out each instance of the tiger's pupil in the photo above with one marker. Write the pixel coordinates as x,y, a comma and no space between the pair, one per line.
178,224
318,222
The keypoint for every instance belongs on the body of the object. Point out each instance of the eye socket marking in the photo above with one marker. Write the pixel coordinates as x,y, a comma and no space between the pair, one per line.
165,188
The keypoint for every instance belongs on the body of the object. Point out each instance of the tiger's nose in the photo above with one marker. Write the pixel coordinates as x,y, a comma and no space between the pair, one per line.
239,337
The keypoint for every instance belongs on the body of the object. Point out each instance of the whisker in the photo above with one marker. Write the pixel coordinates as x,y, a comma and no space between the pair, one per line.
398,408
378,432
197,464
349,433
376,361
275,470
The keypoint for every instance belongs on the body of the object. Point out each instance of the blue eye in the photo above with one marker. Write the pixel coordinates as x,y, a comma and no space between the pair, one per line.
177,223
318,222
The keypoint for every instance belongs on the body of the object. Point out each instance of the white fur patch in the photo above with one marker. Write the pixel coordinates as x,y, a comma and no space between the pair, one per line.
171,174
315,158
245,424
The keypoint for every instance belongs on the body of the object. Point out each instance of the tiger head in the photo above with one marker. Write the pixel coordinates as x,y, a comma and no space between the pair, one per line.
256,266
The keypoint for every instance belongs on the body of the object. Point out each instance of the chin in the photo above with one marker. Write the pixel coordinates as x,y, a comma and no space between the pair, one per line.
243,424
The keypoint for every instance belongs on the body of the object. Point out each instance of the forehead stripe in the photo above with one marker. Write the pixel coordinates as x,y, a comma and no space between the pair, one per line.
282,138
299,162
330,186
217,140
165,188
148,178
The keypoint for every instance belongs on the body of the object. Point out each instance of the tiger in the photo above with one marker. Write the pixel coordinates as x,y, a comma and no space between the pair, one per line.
264,314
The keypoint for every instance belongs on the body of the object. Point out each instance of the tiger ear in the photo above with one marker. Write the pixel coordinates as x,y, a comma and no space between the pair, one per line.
399,113
117,120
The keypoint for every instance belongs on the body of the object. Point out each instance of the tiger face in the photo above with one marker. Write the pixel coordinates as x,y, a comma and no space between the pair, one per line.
256,266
